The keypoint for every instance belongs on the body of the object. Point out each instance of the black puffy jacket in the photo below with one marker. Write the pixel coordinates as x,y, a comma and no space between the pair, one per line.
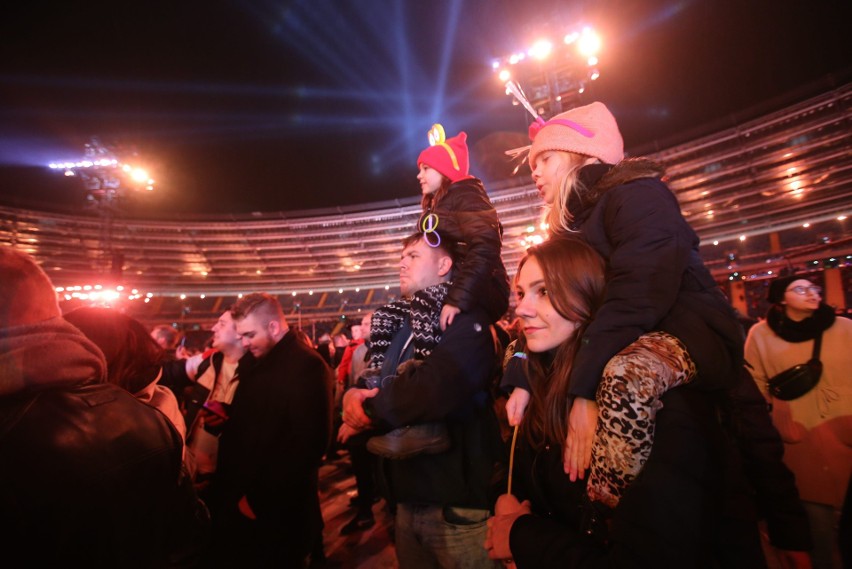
467,219
655,278
90,478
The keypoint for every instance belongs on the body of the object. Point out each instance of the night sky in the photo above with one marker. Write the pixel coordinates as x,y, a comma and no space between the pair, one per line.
238,107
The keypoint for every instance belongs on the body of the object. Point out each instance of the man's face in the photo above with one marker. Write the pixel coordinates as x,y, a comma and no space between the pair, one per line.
365,325
225,332
256,335
421,266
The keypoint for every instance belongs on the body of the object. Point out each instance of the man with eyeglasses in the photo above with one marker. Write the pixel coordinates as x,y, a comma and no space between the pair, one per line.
816,427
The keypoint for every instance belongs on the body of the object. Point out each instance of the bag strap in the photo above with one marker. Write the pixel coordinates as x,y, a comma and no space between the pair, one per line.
817,347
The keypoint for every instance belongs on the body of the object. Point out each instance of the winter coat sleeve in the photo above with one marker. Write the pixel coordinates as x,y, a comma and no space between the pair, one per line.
649,249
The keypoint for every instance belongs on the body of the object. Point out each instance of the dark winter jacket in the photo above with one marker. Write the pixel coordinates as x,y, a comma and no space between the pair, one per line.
272,445
675,515
467,219
452,386
655,278
90,475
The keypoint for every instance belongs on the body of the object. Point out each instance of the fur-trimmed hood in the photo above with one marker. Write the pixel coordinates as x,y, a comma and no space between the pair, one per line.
597,179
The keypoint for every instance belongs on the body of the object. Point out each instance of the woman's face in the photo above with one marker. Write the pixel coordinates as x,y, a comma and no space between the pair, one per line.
551,166
430,179
802,303
543,327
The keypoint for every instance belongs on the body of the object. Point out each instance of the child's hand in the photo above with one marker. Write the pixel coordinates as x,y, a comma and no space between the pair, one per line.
516,405
448,312
582,421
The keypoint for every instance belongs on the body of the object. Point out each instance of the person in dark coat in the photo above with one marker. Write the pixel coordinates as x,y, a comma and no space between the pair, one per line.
442,499
264,499
675,514
458,214
91,476
655,281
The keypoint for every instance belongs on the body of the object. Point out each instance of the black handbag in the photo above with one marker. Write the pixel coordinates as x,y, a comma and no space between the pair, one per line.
794,382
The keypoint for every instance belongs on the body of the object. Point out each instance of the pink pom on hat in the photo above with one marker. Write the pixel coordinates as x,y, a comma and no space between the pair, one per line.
449,156
590,130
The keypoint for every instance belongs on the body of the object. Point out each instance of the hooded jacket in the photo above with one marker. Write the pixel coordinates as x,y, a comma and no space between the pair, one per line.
89,472
655,277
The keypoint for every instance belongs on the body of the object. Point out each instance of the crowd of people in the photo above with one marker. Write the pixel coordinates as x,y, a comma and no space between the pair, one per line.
622,420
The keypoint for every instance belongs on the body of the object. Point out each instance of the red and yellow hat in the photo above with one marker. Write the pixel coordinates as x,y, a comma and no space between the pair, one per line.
449,156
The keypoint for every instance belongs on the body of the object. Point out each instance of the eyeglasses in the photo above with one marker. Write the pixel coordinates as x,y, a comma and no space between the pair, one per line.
803,290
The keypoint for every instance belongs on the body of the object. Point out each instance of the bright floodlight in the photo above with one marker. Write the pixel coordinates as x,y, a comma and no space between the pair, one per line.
540,49
504,75
589,43
139,175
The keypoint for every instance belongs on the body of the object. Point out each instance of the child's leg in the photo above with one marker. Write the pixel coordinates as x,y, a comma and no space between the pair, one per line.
628,400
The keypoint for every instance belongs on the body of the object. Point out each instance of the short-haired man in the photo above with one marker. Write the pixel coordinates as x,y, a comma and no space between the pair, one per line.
442,499
264,500
166,337
211,395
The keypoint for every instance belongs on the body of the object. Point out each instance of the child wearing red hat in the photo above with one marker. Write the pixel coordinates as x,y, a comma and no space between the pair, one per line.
456,207
458,215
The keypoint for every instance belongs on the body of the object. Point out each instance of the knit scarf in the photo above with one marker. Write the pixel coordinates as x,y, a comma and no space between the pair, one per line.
795,332
423,310
45,354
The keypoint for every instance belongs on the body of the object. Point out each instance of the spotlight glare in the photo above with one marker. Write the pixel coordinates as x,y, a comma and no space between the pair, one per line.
540,49
139,175
589,43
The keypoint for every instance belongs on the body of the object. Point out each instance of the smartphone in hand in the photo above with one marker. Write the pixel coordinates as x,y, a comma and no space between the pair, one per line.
217,408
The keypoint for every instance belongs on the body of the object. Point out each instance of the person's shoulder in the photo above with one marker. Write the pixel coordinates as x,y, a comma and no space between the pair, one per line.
759,329
469,189
306,355
640,188
469,324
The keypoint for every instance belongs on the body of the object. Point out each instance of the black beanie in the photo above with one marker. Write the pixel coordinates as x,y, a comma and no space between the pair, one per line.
778,287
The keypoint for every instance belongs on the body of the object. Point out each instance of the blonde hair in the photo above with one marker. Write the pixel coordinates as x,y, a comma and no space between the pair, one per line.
556,215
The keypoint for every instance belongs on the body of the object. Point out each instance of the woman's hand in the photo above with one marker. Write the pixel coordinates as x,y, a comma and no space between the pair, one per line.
507,510
582,422
516,405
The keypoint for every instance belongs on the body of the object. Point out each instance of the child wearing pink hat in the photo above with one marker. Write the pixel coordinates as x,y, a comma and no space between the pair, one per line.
457,214
656,282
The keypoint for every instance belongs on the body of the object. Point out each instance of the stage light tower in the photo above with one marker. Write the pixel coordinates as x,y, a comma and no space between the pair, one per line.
107,179
554,72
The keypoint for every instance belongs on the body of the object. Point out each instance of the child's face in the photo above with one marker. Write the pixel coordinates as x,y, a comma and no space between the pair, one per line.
430,179
551,167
